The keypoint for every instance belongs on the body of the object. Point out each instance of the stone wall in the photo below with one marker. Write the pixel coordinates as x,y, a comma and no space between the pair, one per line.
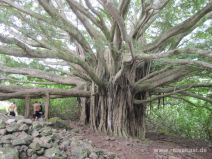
24,139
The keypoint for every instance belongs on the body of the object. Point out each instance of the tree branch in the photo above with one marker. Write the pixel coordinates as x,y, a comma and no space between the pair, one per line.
42,75
34,92
191,103
161,79
181,28
159,96
116,16
28,52
67,25
98,22
196,96
171,89
205,53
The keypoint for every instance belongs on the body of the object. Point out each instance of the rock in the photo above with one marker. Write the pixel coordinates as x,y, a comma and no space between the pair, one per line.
37,126
6,139
75,130
29,152
111,156
93,155
34,156
3,117
8,153
7,145
80,149
42,157
3,131
40,152
58,123
23,148
10,121
19,117
35,146
46,131
44,142
100,153
13,127
23,127
64,145
110,138
25,121
54,153
35,133
22,139
23,155
2,124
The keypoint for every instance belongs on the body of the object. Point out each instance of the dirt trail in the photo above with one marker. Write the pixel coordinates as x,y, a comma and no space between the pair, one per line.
156,146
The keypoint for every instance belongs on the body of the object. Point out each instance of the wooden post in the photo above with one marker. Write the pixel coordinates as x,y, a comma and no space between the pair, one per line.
47,98
27,107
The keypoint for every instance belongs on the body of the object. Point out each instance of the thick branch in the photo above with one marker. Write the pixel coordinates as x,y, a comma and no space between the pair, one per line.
191,103
68,26
181,28
116,16
205,53
98,22
171,89
59,54
23,81
42,91
42,75
196,96
159,96
161,79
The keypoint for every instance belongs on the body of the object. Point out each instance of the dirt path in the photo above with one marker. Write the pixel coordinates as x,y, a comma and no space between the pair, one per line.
154,147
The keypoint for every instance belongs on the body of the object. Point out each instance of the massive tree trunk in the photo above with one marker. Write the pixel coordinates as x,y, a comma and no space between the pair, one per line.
111,108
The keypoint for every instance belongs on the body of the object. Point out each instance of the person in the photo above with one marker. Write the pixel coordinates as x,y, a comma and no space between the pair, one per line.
12,110
38,112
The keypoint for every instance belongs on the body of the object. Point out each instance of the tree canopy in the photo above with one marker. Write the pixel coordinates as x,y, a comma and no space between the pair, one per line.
121,54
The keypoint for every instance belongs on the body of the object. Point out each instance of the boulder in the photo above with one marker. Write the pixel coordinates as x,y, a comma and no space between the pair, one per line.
42,157
54,153
3,131
6,139
35,146
58,123
23,127
19,117
3,117
25,121
2,124
37,126
9,153
22,139
44,142
46,131
40,152
29,152
13,127
81,149
10,121
35,133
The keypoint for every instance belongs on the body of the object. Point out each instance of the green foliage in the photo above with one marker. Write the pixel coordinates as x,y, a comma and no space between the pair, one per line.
183,119
65,108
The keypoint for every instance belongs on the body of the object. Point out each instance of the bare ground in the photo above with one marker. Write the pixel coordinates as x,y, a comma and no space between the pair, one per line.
155,146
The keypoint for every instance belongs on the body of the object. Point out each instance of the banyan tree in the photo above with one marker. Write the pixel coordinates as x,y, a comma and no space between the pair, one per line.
121,55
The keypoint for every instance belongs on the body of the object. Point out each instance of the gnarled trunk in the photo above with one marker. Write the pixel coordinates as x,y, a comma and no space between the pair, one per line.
111,109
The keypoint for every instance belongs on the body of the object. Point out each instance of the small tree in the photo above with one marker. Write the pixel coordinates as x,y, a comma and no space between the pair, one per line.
121,54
